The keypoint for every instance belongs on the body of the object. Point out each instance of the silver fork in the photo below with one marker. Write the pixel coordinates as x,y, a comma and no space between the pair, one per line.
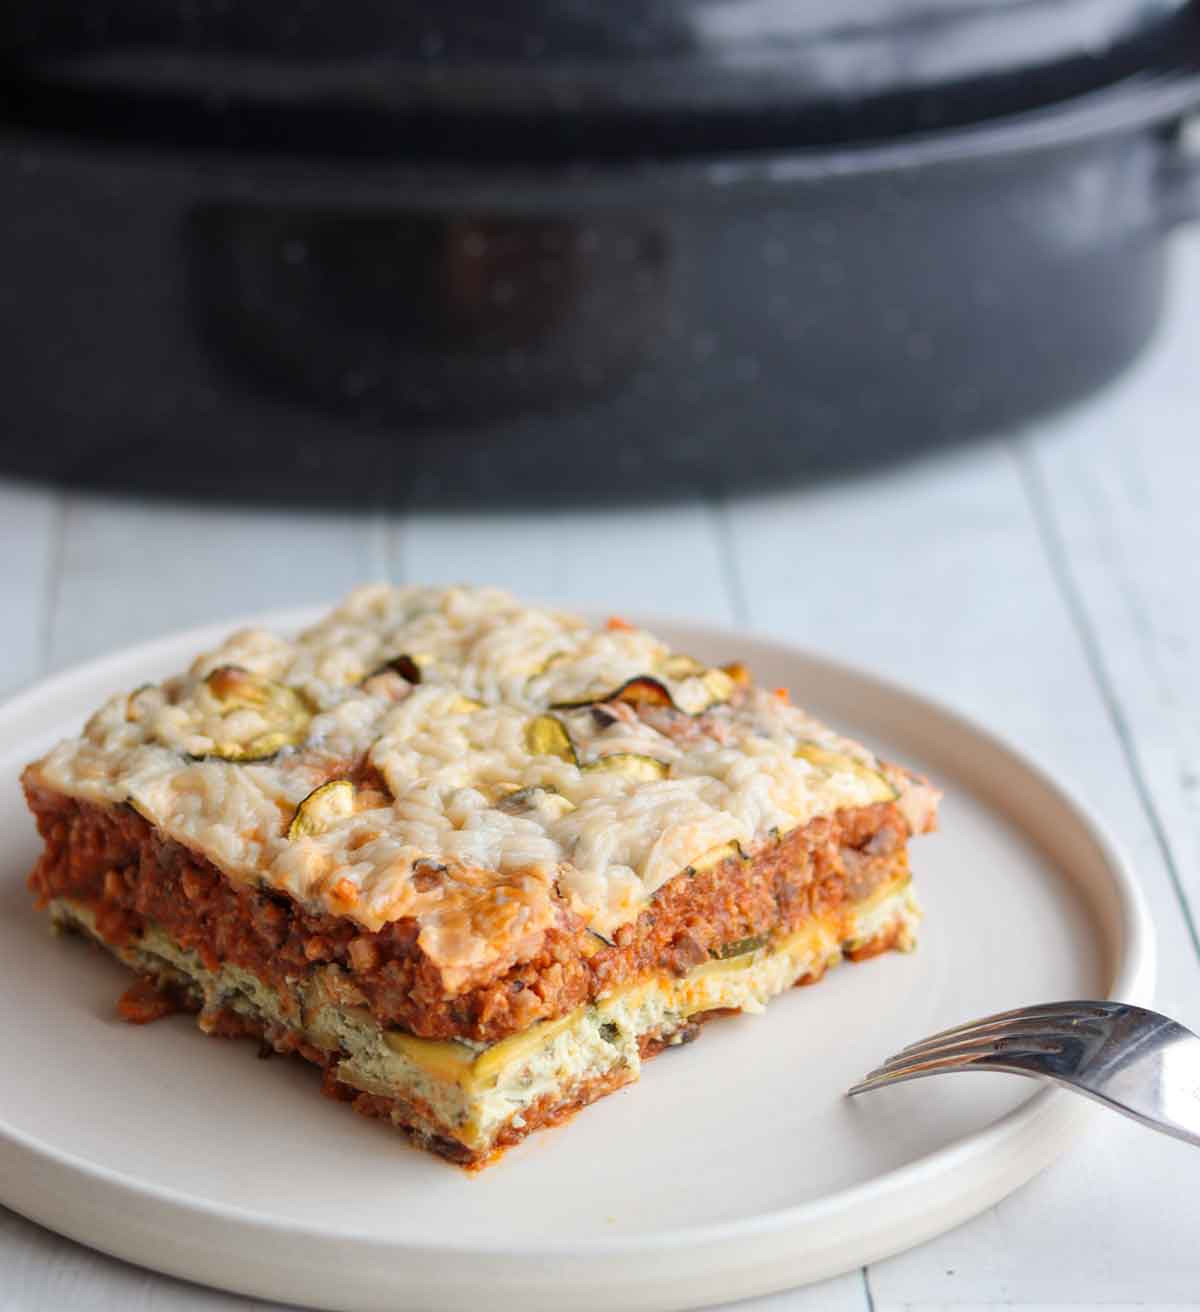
1126,1057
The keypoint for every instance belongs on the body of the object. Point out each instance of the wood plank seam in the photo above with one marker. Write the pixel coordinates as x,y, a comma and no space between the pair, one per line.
52,582
1057,556
379,543
731,574
1141,612
394,567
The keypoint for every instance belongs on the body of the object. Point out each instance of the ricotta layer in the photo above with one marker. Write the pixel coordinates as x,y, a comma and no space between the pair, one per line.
470,1092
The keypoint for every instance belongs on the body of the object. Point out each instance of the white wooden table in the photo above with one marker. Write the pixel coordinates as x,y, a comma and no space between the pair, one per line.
1047,583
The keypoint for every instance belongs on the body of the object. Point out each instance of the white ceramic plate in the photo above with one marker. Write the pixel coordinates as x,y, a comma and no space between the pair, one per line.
735,1167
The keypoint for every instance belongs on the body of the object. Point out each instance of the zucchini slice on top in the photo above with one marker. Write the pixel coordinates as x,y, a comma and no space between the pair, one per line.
284,710
404,665
830,762
332,801
546,735
696,690
633,765
641,690
519,800
699,693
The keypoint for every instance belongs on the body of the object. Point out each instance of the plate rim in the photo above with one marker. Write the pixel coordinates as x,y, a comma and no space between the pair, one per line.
1134,979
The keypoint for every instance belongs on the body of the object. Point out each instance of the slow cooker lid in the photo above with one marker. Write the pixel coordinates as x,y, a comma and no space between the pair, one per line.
587,76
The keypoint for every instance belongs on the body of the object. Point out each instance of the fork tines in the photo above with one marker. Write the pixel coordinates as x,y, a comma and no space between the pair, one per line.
993,1041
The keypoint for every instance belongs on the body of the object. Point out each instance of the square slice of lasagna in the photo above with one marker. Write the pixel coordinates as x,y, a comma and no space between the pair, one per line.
477,860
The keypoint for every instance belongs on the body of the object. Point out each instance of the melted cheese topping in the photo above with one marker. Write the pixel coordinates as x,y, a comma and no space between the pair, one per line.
479,826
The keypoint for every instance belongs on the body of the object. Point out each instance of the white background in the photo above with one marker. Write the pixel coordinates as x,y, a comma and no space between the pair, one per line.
1047,583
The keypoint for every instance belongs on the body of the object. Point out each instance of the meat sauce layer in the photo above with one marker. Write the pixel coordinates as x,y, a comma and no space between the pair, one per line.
115,862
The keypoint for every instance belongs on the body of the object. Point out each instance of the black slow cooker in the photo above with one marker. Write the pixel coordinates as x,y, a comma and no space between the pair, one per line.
475,253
